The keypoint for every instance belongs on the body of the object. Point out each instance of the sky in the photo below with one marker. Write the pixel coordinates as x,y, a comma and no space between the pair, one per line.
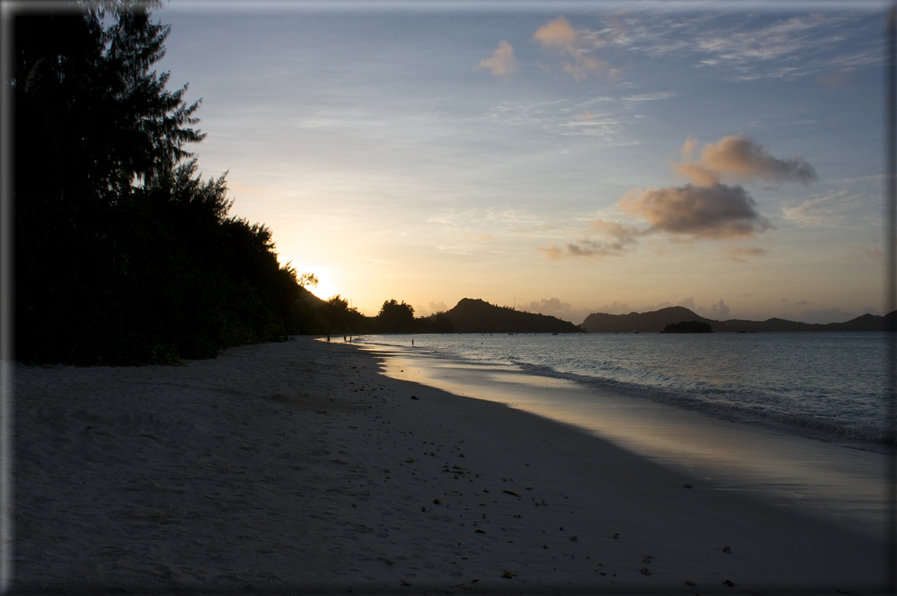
563,158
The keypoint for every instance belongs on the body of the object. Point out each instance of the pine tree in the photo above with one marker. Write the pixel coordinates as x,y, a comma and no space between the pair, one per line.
123,254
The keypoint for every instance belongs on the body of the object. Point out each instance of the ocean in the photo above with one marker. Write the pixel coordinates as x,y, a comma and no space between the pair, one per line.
826,386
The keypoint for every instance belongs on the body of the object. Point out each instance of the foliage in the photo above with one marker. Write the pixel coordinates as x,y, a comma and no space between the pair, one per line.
688,327
440,322
395,317
341,318
307,279
123,253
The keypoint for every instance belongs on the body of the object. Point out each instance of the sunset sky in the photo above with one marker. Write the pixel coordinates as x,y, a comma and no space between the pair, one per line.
566,158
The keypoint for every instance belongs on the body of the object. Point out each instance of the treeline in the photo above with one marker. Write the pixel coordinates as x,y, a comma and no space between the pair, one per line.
123,253
336,316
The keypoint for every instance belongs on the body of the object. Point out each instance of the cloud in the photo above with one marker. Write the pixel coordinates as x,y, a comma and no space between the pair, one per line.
825,211
502,63
657,95
587,123
709,209
736,253
555,308
739,157
718,311
860,252
688,148
688,303
559,35
431,308
618,238
705,209
585,248
714,212
749,47
624,234
617,308
561,117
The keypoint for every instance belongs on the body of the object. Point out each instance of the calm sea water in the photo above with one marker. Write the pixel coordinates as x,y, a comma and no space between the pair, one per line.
825,385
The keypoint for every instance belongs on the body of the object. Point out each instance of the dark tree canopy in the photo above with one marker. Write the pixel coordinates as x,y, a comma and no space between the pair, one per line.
123,253
342,318
395,317
688,327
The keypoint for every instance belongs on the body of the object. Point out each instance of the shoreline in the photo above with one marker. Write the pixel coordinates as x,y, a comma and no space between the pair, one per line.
836,480
301,467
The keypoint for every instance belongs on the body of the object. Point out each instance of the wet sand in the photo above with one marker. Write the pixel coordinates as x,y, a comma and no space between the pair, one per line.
300,467
837,481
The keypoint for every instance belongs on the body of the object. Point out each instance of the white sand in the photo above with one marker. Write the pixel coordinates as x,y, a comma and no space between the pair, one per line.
286,466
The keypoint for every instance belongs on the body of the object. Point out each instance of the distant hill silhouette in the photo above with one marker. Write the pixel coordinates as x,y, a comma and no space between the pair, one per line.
656,321
478,316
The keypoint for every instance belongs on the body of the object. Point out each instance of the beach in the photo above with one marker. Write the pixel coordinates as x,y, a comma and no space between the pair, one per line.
300,466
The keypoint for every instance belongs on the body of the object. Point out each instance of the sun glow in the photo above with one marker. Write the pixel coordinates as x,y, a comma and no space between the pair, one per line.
327,280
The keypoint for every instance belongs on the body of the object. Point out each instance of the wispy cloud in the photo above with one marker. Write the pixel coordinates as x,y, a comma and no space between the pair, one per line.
592,249
578,45
658,95
737,253
471,230
556,308
502,62
587,123
617,237
869,251
829,210
430,309
566,118
750,48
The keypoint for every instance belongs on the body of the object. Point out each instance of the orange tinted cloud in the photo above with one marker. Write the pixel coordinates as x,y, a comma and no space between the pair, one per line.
621,238
707,212
706,209
739,157
502,63
560,35
618,238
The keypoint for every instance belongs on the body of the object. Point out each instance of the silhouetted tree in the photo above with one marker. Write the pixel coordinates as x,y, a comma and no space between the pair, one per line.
395,317
440,322
342,318
123,254
307,279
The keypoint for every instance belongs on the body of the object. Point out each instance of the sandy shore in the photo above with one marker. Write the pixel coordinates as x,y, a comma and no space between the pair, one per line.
297,466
